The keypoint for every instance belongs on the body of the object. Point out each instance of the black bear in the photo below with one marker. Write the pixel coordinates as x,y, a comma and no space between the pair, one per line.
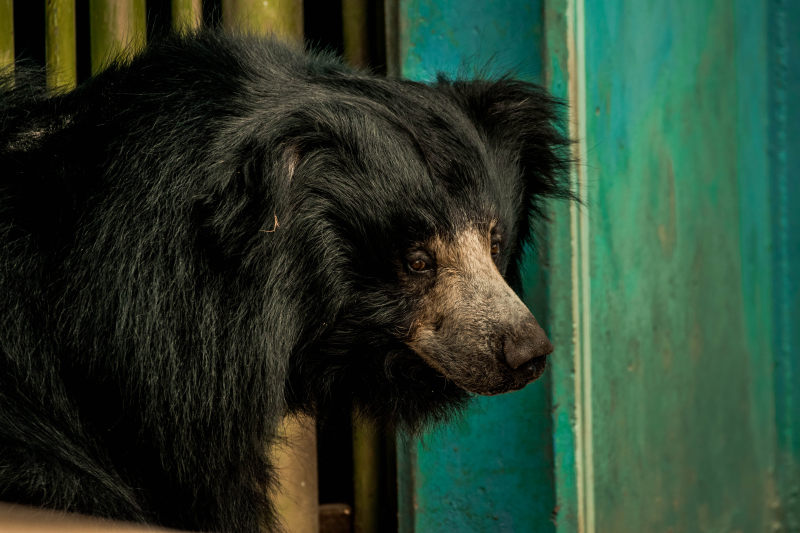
224,230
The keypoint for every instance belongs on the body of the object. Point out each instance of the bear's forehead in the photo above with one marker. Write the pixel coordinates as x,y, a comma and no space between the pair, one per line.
413,160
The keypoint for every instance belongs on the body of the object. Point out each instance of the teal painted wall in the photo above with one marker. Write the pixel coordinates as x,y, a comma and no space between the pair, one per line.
468,36
675,287
492,470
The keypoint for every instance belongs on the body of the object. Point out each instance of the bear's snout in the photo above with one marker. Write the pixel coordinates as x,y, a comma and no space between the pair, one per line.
526,344
473,328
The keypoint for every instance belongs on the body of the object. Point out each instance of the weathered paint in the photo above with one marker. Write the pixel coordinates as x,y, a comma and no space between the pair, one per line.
117,30
6,33
492,469
567,283
60,54
665,284
562,279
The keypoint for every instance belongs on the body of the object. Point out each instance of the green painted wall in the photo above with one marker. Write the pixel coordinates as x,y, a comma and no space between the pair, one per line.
465,36
666,286
492,470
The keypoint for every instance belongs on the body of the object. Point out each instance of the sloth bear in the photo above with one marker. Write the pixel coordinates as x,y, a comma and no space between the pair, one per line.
224,230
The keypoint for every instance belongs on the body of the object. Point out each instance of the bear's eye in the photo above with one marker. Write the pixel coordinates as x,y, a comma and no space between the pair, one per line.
495,249
419,262
418,265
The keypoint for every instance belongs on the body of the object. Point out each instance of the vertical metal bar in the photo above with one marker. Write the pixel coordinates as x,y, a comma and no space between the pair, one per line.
187,15
581,281
117,30
366,476
354,22
367,444
60,54
280,17
6,34
391,16
407,471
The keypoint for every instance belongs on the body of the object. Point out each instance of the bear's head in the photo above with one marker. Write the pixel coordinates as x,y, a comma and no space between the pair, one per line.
417,202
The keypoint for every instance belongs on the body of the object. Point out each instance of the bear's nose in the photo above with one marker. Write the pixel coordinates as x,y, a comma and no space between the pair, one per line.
521,349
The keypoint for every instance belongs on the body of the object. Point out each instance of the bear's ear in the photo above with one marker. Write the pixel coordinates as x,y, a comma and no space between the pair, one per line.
524,122
522,125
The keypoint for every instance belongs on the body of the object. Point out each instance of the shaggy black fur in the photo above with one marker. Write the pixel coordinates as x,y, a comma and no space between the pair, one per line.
208,237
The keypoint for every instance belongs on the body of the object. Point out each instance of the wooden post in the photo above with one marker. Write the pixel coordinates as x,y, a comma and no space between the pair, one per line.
187,15
60,54
297,494
281,17
6,34
117,30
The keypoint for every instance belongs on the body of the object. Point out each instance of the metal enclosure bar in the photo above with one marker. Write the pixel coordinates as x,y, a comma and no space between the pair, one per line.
187,15
117,30
354,31
280,17
6,33
60,51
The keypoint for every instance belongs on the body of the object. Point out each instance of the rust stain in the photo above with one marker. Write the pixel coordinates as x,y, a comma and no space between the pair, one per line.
667,233
667,357
696,343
